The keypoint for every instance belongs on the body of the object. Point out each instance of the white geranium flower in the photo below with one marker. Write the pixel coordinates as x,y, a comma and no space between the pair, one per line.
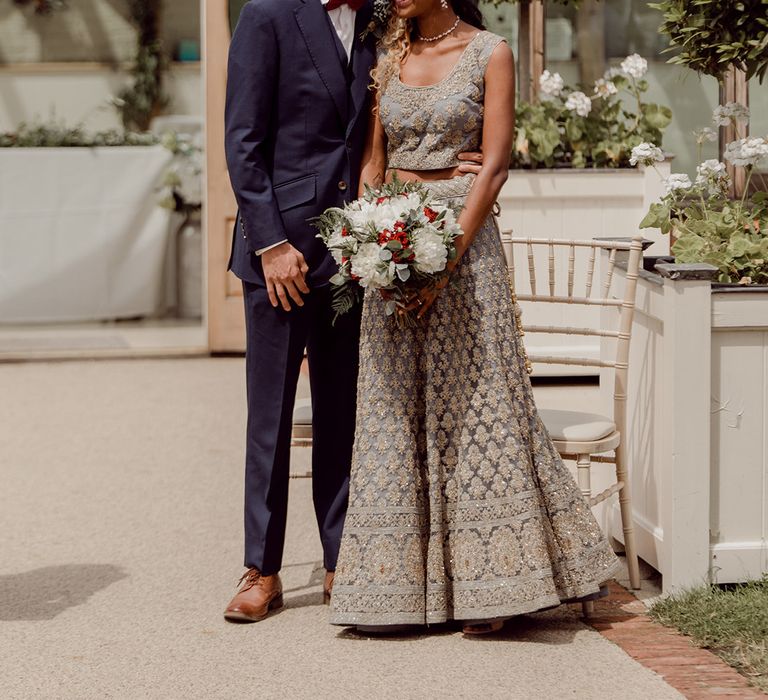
635,66
729,112
705,134
369,267
677,181
612,72
578,102
431,255
744,152
604,87
551,84
710,172
646,154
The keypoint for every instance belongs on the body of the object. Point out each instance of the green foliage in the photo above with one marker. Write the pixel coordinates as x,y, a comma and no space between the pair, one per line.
732,622
58,136
549,134
710,35
732,238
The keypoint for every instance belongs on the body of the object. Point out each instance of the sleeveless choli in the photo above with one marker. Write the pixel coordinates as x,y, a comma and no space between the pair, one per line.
460,506
428,126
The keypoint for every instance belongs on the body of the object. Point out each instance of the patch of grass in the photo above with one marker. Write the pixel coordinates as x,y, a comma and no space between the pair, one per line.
731,621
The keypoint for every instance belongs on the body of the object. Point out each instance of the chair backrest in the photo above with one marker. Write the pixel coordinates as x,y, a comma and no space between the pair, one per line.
549,277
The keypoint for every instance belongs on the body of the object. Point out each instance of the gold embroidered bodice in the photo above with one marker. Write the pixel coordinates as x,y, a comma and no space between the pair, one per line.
428,126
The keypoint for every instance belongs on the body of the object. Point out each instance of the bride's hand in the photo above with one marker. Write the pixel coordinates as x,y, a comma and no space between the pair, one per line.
470,163
426,297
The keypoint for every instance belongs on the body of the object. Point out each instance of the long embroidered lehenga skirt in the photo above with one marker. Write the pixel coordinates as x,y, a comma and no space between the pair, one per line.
460,507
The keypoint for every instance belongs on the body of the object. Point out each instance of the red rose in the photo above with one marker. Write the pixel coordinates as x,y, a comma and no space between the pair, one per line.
430,213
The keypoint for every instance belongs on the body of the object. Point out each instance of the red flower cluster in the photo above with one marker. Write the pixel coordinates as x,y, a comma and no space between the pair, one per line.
431,214
399,234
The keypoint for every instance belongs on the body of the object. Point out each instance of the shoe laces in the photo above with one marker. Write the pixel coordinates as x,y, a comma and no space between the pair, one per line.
250,578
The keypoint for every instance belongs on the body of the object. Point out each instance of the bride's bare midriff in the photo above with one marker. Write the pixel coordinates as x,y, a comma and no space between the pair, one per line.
422,175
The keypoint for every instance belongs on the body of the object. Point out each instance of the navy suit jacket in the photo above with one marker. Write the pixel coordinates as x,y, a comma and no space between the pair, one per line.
296,121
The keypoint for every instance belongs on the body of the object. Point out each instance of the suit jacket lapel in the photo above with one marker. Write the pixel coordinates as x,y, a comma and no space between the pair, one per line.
363,53
313,23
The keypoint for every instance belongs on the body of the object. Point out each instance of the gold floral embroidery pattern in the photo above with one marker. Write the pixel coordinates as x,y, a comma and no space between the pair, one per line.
427,127
460,506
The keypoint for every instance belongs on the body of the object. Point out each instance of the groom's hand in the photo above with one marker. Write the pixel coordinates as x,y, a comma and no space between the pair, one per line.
470,162
284,272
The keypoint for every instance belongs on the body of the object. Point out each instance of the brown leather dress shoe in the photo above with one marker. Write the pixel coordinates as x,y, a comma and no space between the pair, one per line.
258,596
328,586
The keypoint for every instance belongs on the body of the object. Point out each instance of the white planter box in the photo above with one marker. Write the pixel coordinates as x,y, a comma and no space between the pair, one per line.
81,235
576,204
698,429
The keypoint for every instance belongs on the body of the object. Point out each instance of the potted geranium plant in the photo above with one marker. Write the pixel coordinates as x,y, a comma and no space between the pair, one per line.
571,128
709,226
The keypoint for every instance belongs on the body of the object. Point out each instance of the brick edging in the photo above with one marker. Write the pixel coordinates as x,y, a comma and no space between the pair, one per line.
696,673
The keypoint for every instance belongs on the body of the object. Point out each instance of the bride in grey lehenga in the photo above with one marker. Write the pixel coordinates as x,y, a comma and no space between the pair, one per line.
460,508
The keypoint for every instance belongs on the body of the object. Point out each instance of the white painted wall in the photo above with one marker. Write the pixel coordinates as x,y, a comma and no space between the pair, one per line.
78,93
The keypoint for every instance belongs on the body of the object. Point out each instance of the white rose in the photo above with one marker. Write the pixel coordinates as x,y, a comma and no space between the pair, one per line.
360,215
646,154
384,216
431,255
550,84
370,268
578,102
635,66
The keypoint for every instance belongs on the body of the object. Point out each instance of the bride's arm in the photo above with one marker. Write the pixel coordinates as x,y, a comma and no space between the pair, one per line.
498,129
374,166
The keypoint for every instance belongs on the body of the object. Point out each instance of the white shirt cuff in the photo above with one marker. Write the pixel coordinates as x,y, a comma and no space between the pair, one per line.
269,247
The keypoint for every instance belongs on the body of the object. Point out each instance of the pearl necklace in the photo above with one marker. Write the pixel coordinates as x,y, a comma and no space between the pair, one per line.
443,35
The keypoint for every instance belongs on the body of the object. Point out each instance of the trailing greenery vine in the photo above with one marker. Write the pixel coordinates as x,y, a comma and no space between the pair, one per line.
145,98
711,35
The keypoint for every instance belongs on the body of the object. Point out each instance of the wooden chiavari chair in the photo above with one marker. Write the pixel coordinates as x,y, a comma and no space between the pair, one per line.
585,437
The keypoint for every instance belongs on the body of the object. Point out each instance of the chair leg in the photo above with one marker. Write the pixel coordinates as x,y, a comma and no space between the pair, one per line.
588,608
584,474
625,505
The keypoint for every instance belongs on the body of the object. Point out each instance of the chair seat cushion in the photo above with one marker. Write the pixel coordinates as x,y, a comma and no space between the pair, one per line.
576,426
302,412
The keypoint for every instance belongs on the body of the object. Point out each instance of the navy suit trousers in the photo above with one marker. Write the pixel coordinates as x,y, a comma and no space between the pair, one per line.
275,351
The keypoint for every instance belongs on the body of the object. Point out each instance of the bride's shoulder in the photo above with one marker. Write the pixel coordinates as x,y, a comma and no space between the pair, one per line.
487,38
485,43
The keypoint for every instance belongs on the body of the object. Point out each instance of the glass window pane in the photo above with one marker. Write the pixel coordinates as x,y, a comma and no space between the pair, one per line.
503,20
581,44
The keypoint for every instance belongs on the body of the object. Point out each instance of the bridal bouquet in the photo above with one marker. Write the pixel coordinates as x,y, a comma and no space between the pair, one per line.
394,238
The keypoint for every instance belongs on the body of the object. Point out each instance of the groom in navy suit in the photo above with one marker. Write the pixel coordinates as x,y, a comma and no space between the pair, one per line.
296,120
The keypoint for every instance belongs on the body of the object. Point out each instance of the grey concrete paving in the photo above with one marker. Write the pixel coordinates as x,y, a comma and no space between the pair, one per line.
120,534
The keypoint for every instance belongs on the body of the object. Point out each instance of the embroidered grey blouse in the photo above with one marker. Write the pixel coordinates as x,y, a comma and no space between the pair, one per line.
428,126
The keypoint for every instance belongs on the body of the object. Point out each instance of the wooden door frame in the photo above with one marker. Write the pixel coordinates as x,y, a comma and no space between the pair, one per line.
226,320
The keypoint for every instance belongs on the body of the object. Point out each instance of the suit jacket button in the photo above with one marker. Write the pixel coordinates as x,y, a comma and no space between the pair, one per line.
342,185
